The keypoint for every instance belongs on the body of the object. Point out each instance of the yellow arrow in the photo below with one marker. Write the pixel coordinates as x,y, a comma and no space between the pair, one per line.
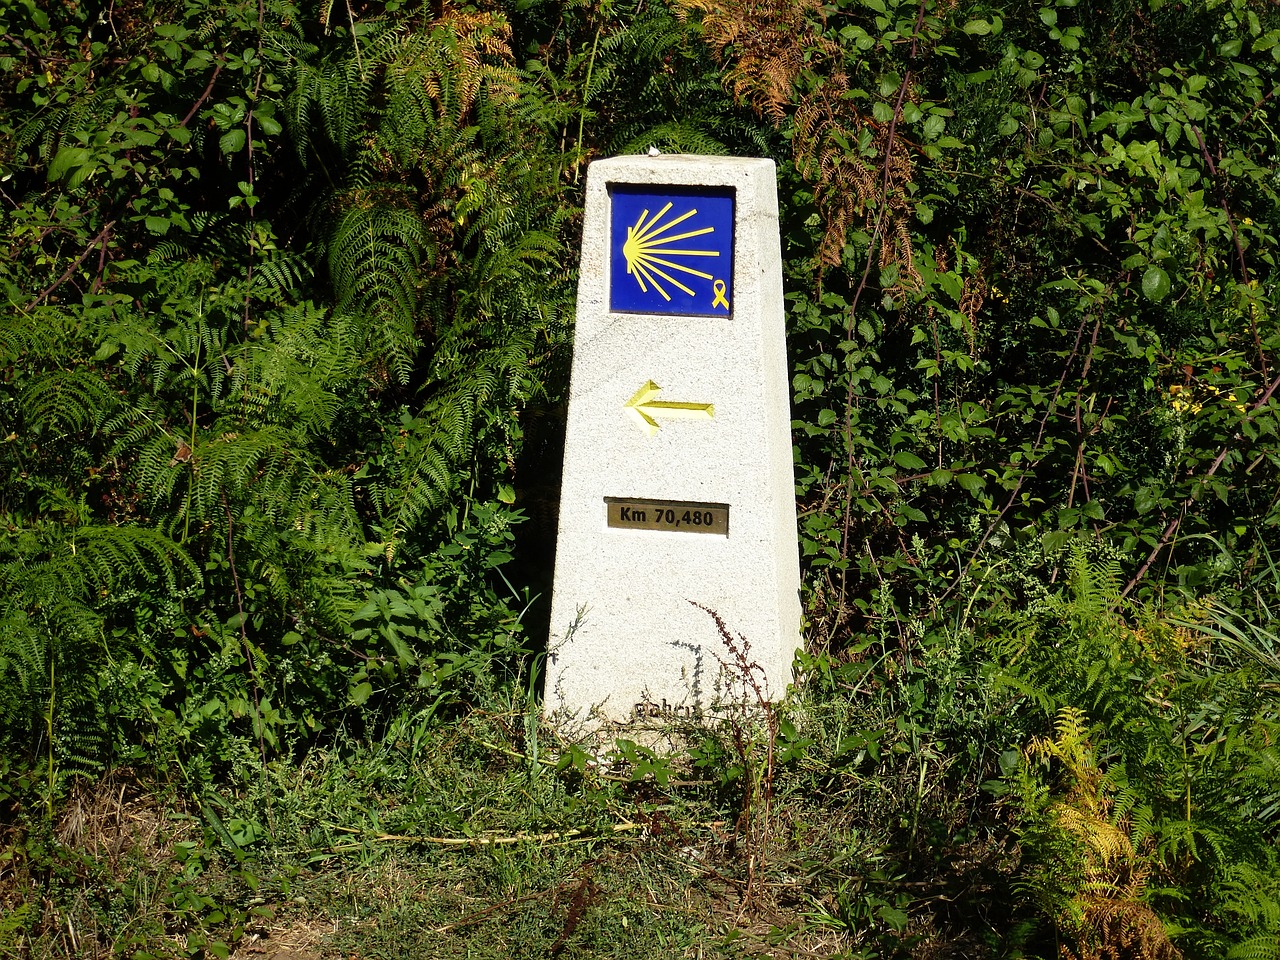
646,408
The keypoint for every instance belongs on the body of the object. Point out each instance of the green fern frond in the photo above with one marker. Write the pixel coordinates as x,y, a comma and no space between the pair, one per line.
54,564
426,469
1253,893
36,337
157,469
1193,839
1263,773
1142,824
82,738
1033,691
281,273
97,560
1265,947
375,257
296,374
229,464
24,669
686,135
68,401
324,109
1095,583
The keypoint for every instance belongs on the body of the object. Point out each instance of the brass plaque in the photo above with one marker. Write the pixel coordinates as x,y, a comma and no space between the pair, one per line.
668,515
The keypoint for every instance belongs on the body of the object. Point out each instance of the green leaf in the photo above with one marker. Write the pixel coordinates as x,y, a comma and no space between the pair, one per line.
1144,502
404,653
269,124
895,918
361,693
1055,540
232,141
1155,284
908,460
67,159
977,28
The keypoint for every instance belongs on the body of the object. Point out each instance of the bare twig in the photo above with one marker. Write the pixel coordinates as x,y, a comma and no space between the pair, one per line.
853,308
101,238
1250,112
355,41
1172,528
584,891
487,839
217,69
1239,245
1017,487
102,266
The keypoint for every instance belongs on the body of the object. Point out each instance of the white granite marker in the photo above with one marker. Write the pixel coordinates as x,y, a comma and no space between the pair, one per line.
678,485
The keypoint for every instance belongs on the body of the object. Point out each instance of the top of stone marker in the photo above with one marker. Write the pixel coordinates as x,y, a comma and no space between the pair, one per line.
686,169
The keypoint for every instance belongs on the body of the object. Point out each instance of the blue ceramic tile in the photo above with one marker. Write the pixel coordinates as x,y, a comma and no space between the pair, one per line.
671,251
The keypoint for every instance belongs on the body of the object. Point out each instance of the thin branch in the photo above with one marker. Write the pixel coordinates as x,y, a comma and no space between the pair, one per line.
488,839
1235,237
251,200
1172,528
217,69
102,266
886,166
244,636
355,41
1017,487
1250,112
66,275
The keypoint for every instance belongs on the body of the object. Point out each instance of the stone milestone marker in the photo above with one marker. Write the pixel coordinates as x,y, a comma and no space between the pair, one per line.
678,494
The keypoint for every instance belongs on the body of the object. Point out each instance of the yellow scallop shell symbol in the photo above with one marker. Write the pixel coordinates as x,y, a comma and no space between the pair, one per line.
649,244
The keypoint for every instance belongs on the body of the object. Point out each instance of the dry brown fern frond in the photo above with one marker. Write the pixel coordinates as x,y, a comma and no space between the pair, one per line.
856,168
765,43
859,169
1106,920
895,247
478,35
1118,929
487,33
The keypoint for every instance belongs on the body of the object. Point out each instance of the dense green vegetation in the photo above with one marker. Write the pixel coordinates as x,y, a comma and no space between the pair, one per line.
289,307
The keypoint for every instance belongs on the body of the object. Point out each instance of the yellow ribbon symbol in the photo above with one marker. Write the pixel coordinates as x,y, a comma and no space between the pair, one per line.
720,300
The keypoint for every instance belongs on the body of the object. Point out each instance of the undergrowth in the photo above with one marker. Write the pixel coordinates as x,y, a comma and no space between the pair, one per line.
948,795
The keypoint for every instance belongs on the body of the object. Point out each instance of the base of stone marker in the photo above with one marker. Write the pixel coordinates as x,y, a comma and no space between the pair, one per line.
732,685
663,732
